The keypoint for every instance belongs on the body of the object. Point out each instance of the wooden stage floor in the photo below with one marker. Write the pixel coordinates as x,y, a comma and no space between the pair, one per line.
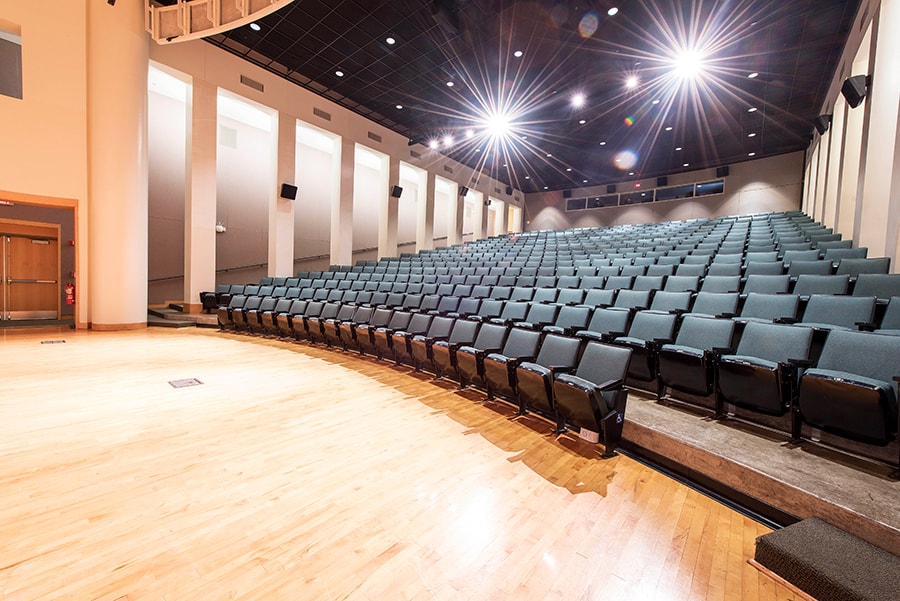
300,473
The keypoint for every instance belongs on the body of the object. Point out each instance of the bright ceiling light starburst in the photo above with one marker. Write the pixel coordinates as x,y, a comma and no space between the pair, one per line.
688,64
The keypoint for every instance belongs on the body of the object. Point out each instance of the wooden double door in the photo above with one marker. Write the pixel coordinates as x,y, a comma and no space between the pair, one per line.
30,272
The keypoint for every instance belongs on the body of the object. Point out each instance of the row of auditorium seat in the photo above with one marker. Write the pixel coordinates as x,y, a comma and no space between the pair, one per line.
567,287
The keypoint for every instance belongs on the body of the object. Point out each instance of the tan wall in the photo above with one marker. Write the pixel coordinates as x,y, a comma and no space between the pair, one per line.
769,184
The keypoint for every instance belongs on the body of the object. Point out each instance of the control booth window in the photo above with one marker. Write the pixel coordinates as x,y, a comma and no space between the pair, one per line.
10,60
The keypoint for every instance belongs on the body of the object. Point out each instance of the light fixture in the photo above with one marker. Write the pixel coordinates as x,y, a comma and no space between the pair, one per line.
433,144
518,54
578,100
631,82
390,41
678,148
688,64
339,73
751,154
753,75
686,165
612,12
527,177
399,107
448,140
655,101
602,143
582,121
752,109
751,135
568,169
668,128
255,26
449,84
549,155
470,134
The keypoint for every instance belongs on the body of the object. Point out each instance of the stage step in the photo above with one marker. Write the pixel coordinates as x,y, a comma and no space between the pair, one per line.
830,564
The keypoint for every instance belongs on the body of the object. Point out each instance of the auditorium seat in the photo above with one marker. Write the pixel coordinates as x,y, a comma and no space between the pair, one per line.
594,396
570,319
769,308
829,312
224,312
498,369
809,284
285,320
443,352
420,344
852,392
647,332
399,342
759,375
890,322
469,358
883,286
855,267
534,379
688,364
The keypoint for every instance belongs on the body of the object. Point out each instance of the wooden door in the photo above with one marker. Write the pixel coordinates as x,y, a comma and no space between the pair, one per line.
31,278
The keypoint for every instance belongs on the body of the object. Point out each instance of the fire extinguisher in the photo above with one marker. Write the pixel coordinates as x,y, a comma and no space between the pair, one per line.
70,293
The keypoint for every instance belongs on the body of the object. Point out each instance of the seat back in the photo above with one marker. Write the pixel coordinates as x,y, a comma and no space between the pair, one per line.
596,297
574,316
490,335
880,285
330,311
800,255
268,304
314,308
618,282
570,296
419,323
862,353
521,343
767,284
854,267
252,303
837,254
468,306
448,304
649,325
671,301
775,342
545,295
602,363
491,308
808,284
721,283
515,310
770,306
298,307
440,327
541,314
501,292
648,282
715,303
464,331
237,301
560,351
520,293
283,305
842,311
631,299
346,312
682,283
381,317
705,332
764,268
724,269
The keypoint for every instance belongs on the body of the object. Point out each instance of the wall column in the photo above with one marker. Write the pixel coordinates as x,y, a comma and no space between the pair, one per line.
342,209
881,180
118,62
281,210
200,194
388,215
425,222
455,219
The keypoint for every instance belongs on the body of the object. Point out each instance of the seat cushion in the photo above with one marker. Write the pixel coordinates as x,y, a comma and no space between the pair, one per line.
850,405
752,383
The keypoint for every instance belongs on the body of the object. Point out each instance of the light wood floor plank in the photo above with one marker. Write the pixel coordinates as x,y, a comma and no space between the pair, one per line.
297,472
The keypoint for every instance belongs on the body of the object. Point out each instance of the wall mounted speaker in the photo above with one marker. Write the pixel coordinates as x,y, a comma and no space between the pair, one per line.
855,88
463,190
396,191
662,181
610,188
567,194
509,190
822,122
722,171
289,191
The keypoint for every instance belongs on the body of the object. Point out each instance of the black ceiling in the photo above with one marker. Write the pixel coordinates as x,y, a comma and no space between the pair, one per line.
793,45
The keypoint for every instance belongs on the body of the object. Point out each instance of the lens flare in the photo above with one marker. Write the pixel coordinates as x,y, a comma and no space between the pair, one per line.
588,24
629,121
625,160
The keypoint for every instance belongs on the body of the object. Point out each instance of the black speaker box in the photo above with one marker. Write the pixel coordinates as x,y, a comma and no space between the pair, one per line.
396,191
854,89
662,181
822,122
463,190
509,190
289,191
567,194
610,188
722,171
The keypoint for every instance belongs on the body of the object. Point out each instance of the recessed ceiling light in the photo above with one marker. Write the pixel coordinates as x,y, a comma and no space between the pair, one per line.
686,165
433,144
390,41
568,168
339,73
545,188
655,101
678,148
578,100
470,134
751,154
527,177
448,140
255,26
399,107
612,11
751,135
524,137
753,75
602,143
752,109
669,128
631,82
582,121
449,84
584,181
549,155
505,165
518,54
631,173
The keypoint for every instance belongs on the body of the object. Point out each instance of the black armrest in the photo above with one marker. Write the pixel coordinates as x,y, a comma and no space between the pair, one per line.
561,369
721,350
865,326
611,384
677,311
786,320
726,315
515,361
804,363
